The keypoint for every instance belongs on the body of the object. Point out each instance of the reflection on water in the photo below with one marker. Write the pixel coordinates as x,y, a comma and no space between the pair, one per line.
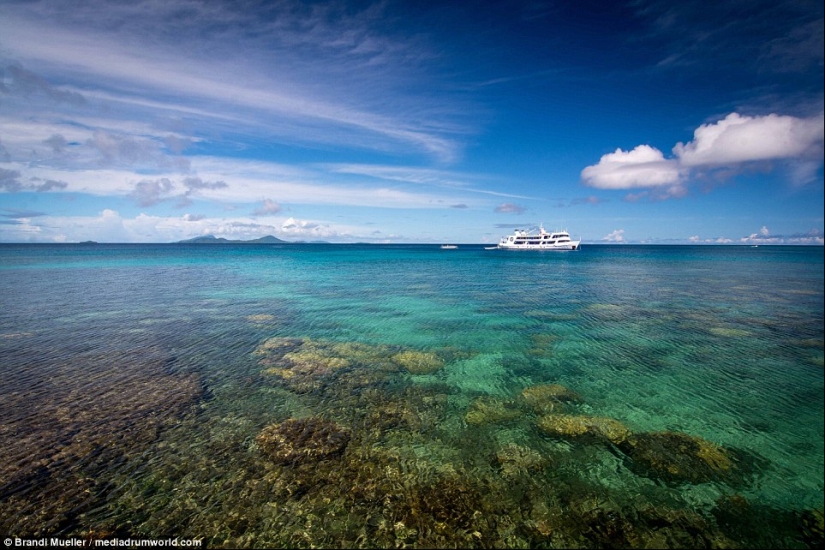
346,396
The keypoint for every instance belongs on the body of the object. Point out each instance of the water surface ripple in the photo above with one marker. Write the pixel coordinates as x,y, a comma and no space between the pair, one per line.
391,396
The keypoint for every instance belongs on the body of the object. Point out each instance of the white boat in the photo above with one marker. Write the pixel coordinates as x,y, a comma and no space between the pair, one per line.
448,246
524,240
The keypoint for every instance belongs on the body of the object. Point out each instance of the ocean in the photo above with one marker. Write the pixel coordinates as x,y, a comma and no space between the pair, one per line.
323,395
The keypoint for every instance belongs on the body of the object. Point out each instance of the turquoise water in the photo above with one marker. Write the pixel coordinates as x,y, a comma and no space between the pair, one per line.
192,390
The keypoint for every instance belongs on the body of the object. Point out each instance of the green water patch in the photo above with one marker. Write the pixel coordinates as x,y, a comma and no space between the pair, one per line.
484,373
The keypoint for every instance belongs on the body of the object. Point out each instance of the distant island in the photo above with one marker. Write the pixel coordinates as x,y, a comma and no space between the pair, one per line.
211,239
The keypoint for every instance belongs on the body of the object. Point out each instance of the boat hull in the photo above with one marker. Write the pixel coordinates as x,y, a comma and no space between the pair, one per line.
566,247
543,240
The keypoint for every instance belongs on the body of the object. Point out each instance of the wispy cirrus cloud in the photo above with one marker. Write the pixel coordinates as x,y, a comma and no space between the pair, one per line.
292,88
786,38
232,181
419,176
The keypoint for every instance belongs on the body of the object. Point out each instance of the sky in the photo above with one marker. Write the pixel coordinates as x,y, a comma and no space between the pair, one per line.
647,121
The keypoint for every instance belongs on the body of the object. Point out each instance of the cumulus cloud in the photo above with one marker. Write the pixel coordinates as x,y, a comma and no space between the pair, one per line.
725,146
307,229
737,139
291,225
644,166
509,208
616,236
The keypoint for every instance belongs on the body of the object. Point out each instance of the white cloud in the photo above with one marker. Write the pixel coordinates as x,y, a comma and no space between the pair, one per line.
644,166
812,237
234,181
282,92
737,139
305,228
730,143
417,176
110,226
616,236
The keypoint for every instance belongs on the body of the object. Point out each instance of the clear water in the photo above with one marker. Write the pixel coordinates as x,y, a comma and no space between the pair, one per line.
135,381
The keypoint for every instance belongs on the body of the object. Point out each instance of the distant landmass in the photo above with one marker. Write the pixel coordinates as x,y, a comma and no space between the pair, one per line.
211,239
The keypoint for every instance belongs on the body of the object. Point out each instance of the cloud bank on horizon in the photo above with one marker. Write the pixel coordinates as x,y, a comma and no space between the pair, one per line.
394,121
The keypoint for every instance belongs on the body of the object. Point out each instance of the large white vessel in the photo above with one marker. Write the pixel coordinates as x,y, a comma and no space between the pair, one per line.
523,240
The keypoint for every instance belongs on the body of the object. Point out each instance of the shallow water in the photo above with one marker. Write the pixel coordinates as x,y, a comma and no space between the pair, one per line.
138,380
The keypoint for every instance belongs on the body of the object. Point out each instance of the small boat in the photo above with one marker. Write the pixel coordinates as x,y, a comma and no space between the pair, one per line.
448,247
524,240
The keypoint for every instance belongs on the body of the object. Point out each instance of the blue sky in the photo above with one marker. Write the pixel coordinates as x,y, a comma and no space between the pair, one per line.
650,121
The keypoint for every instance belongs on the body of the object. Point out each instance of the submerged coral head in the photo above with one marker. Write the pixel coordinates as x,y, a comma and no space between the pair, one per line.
302,440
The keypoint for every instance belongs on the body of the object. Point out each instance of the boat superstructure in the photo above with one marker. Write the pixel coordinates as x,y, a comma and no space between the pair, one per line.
543,240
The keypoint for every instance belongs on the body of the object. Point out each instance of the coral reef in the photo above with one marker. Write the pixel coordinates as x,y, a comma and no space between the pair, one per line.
302,439
549,397
542,345
517,460
679,457
758,526
362,455
306,365
418,362
813,528
580,426
491,410
80,431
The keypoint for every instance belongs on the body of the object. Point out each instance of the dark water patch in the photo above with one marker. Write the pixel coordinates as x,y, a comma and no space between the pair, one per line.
57,463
